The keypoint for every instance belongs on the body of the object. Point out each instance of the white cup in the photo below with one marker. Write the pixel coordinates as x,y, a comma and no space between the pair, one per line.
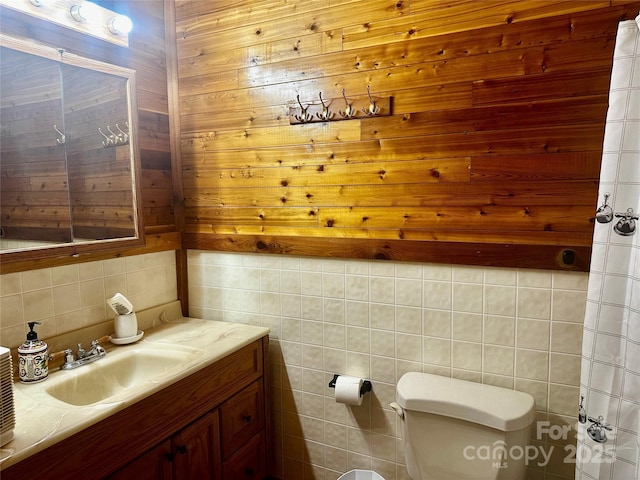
126,326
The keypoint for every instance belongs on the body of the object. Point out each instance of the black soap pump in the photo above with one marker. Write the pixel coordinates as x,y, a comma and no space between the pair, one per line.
33,357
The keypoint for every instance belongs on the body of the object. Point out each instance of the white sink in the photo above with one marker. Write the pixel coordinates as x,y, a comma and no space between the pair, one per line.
120,370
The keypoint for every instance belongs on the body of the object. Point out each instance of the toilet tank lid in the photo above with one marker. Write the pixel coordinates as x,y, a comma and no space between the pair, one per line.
495,407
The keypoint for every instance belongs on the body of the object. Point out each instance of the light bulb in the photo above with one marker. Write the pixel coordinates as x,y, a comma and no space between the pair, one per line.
120,25
84,12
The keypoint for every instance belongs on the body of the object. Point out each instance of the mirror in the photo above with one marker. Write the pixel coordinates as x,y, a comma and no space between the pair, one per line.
68,169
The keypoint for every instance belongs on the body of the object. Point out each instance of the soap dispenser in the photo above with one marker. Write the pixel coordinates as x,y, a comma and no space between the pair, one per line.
33,358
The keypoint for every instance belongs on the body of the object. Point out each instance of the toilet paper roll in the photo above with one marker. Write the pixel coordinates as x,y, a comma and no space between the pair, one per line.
348,390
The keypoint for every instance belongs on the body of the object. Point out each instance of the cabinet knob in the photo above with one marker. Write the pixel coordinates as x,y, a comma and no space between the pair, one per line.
170,456
182,449
247,418
248,472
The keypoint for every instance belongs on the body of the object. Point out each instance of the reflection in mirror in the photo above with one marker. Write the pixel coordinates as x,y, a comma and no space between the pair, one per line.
67,167
98,160
34,194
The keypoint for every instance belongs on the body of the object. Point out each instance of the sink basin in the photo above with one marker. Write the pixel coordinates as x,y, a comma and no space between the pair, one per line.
117,372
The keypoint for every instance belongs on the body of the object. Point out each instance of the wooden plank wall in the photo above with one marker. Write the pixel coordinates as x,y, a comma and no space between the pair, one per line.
146,55
491,156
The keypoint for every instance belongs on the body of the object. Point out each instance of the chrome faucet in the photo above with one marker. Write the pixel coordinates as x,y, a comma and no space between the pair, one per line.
83,357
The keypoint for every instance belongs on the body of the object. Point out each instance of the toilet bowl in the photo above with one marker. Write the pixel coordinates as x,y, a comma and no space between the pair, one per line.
459,430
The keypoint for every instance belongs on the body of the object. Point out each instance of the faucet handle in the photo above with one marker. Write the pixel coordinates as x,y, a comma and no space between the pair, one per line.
96,347
68,356
597,429
599,422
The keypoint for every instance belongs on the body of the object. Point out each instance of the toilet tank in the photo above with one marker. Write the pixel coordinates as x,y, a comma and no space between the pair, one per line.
456,429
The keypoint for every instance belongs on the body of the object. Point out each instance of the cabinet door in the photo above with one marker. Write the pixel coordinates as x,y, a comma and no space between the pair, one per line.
153,465
197,450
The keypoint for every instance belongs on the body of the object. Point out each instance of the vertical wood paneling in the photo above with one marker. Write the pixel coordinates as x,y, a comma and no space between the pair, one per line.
498,125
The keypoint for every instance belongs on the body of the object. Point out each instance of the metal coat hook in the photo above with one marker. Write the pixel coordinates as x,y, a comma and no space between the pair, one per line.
115,138
349,111
107,141
373,108
63,138
123,135
304,116
325,114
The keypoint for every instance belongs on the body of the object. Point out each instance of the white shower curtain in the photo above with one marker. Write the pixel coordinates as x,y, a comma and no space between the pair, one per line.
610,377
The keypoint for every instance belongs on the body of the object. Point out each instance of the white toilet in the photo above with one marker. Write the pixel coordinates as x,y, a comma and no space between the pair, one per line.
456,430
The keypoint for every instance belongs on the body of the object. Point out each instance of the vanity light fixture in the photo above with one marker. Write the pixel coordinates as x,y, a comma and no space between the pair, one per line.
79,15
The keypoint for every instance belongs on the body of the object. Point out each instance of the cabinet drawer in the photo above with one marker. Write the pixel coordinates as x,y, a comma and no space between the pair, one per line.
248,463
241,417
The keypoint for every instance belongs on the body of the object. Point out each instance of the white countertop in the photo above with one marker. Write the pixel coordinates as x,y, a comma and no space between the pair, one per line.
42,420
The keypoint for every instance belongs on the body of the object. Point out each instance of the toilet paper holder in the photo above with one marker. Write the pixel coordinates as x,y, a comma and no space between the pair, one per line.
366,385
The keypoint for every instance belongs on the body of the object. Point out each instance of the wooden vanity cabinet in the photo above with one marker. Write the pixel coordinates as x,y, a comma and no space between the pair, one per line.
212,424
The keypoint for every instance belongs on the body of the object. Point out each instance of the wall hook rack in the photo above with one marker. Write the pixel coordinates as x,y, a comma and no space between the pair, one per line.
119,137
320,112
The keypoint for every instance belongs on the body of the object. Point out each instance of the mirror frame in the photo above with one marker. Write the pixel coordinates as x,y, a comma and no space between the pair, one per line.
75,250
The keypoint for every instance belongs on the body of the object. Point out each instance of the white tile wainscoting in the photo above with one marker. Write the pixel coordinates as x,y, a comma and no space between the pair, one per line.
515,328
67,298
375,319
